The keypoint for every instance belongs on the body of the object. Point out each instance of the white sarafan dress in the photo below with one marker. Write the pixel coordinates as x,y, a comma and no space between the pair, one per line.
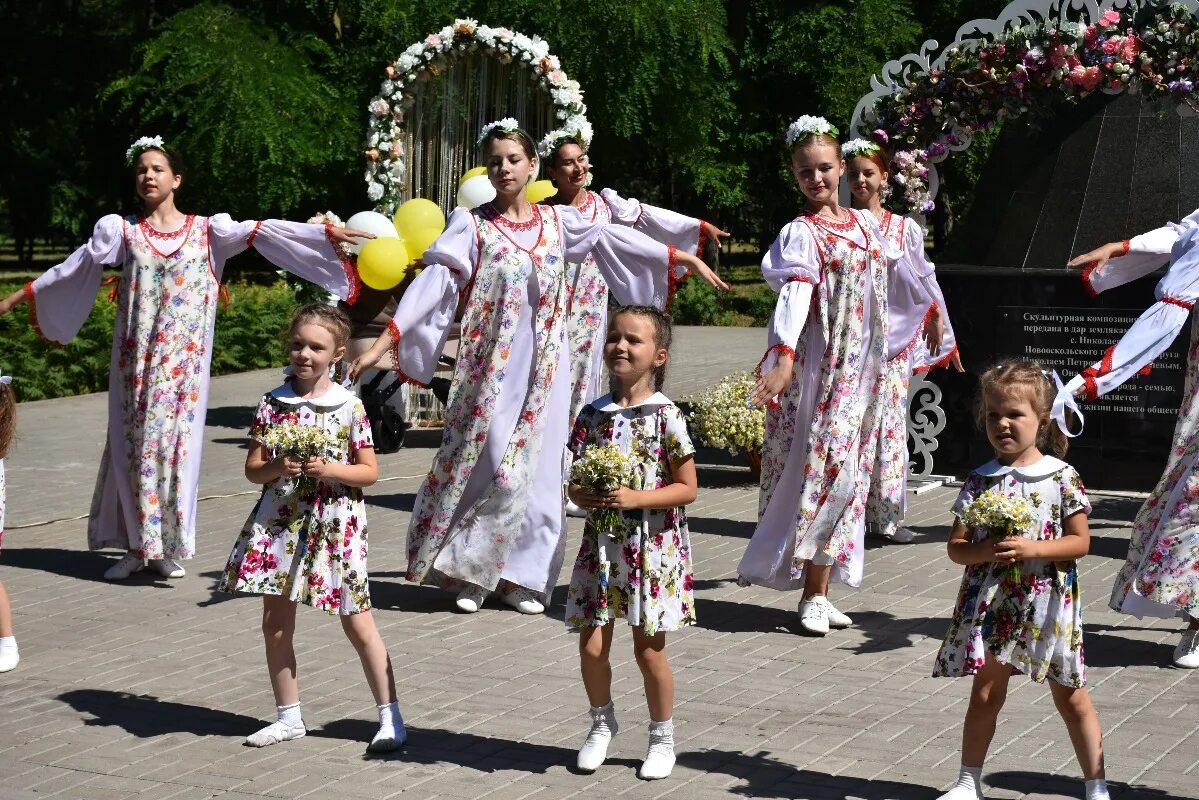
822,436
491,507
1160,577
145,497
887,502
589,294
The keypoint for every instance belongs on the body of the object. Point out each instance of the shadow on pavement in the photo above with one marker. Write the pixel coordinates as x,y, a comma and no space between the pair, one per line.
1104,649
764,775
885,631
721,527
145,716
400,501
82,565
1036,784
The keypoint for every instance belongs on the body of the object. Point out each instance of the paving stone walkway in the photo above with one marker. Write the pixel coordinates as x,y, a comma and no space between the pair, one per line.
146,689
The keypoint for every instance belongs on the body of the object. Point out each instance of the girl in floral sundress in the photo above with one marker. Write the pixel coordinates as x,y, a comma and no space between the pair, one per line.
308,546
171,265
1004,624
9,656
642,573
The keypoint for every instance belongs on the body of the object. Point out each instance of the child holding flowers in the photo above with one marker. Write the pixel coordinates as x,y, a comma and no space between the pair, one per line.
305,541
640,567
1021,526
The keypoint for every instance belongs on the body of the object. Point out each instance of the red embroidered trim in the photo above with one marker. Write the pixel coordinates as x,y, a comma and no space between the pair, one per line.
801,279
782,348
832,224
703,240
489,213
512,224
394,329
349,266
1174,301
675,281
143,226
588,203
940,363
150,232
1086,279
115,282
1088,378
910,347
1125,246
253,234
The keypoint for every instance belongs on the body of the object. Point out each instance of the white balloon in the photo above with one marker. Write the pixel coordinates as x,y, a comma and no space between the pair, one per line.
475,191
371,222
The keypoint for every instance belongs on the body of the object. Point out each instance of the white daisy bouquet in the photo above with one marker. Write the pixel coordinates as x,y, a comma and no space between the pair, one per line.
602,468
722,417
1000,516
299,442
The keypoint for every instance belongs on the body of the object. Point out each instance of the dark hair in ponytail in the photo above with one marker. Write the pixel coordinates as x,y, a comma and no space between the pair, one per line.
663,333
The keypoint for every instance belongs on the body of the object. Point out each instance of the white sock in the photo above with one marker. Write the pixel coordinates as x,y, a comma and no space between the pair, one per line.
289,715
8,643
969,785
1097,789
389,716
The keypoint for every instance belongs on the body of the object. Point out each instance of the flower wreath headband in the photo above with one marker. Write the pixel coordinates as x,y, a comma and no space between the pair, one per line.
858,147
142,145
506,125
807,126
556,138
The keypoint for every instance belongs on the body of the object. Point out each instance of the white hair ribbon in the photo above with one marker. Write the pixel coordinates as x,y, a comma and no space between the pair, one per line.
1064,400
5,378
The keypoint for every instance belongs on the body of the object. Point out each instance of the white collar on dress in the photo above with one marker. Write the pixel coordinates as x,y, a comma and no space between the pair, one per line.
335,397
1047,465
609,406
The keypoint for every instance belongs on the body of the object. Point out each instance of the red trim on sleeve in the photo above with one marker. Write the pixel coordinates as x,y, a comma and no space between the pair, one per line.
31,301
703,240
910,347
940,363
674,281
348,264
1125,246
1091,391
1174,301
253,234
782,348
1086,279
394,329
113,281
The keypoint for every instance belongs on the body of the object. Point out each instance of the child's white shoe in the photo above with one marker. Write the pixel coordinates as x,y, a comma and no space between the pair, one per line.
523,600
9,656
167,567
129,564
603,728
278,731
1186,654
391,734
835,618
969,785
813,615
471,599
902,536
659,757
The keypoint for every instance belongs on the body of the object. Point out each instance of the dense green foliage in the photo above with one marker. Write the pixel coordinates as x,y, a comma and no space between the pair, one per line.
250,334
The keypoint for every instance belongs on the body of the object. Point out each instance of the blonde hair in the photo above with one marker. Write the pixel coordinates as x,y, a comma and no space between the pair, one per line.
1026,379
810,139
8,417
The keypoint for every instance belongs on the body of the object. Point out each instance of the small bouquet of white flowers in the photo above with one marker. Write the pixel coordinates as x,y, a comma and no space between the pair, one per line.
1000,516
602,468
723,418
299,442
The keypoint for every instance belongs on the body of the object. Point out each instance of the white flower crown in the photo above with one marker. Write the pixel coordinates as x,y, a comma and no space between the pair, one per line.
810,126
142,145
858,147
556,138
507,125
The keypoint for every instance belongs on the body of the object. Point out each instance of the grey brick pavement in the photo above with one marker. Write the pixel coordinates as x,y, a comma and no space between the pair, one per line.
145,689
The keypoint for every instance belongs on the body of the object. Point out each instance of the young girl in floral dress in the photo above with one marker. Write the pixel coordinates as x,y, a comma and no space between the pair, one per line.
489,517
867,174
9,656
1019,607
171,265
827,347
642,572
305,541
1160,576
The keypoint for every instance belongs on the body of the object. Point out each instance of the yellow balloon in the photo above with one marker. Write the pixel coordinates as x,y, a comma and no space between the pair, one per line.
420,240
470,173
418,214
382,263
540,190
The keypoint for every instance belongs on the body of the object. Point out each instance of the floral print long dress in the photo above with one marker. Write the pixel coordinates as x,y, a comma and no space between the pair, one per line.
651,582
1034,623
146,489
821,436
907,353
310,548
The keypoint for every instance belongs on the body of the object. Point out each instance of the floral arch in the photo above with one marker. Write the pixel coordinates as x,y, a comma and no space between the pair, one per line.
1036,56
438,93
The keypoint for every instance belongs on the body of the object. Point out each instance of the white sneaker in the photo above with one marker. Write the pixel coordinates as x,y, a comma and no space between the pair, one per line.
902,536
1186,654
471,599
573,510
129,564
836,619
962,793
9,659
278,731
595,749
523,600
388,738
813,615
166,567
659,757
